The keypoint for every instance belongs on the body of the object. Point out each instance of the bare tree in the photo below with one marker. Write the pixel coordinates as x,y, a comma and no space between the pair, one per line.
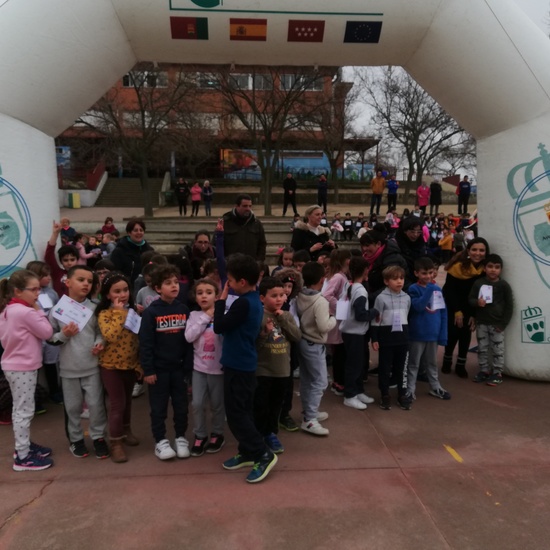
412,120
267,106
145,130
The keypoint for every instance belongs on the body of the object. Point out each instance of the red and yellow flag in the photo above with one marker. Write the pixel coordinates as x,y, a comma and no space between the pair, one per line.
248,29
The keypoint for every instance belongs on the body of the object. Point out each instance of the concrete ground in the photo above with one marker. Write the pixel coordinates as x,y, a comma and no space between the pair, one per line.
469,473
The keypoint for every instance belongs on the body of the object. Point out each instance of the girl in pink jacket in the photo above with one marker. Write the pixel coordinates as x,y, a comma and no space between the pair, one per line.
23,326
423,196
196,192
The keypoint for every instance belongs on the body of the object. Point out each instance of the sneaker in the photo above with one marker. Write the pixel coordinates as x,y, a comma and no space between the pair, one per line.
494,380
481,377
313,427
182,447
139,389
217,441
296,373
199,446
236,462
37,450
101,448
79,449
441,394
85,413
262,467
405,402
364,398
385,403
322,416
163,450
288,424
39,409
272,441
336,389
354,403
31,462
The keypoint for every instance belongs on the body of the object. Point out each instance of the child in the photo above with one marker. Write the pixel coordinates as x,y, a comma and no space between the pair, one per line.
67,232
68,256
336,227
315,323
348,227
118,362
279,329
23,326
300,258
108,226
147,295
353,331
427,329
166,358
78,368
285,259
297,218
359,222
196,192
108,245
446,246
492,297
390,337
83,257
50,354
207,369
240,327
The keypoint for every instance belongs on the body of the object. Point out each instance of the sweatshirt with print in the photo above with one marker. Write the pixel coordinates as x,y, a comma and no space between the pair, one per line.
390,328
207,344
359,316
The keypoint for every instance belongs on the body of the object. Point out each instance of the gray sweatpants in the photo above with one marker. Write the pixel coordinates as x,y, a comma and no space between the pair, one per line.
73,400
425,352
22,387
207,387
313,377
489,337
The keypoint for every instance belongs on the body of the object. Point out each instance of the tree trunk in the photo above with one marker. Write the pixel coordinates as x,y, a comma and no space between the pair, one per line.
144,179
334,178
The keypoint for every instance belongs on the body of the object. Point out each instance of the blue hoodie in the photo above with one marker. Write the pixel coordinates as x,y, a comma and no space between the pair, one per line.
425,324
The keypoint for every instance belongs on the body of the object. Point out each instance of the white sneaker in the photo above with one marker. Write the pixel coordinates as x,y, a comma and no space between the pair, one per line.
182,448
322,416
364,398
354,403
163,451
139,389
313,427
85,413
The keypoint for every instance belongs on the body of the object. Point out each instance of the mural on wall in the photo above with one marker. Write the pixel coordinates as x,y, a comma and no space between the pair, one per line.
15,228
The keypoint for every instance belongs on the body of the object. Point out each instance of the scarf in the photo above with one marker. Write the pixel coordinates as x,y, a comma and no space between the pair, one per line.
18,301
375,256
457,270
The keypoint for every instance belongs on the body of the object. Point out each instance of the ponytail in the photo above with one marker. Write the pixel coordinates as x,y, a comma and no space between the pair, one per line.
4,298
19,279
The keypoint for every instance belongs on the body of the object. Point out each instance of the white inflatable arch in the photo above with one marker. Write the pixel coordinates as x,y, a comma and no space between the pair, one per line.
483,60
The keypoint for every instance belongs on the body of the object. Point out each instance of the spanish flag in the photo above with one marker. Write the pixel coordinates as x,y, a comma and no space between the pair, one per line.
248,29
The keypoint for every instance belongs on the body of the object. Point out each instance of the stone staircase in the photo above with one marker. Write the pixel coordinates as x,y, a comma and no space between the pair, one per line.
127,192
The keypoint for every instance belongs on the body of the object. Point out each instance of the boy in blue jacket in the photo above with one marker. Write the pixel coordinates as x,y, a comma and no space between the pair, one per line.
166,359
240,327
427,328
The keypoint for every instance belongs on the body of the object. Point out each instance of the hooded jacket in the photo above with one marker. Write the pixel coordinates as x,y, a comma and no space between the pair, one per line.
303,239
244,235
127,257
315,319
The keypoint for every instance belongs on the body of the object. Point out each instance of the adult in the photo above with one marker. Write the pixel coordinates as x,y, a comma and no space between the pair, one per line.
126,257
196,193
182,192
289,197
199,251
377,185
392,186
464,190
423,197
322,192
435,197
380,252
410,240
310,235
462,272
207,193
243,232
108,226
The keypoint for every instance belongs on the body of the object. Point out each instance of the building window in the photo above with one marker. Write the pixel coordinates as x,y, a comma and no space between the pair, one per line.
297,81
240,81
145,79
263,82
207,80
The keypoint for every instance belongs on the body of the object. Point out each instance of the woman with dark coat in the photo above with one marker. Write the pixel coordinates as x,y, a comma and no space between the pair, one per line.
199,252
410,240
127,255
435,196
310,235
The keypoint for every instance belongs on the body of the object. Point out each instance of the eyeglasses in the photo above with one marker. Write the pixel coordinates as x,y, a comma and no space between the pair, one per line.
33,289
414,232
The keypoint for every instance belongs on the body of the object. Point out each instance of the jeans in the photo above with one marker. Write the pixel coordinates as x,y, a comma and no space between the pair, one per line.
375,200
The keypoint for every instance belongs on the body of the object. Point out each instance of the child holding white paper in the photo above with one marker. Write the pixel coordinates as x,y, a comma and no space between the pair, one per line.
494,303
427,329
78,364
118,362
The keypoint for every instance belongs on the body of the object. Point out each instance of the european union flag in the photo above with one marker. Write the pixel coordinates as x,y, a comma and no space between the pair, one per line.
363,32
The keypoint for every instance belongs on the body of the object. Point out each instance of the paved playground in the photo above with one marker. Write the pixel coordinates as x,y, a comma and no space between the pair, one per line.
470,473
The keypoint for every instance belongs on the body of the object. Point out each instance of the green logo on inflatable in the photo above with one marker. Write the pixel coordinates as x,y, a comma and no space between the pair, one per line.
206,3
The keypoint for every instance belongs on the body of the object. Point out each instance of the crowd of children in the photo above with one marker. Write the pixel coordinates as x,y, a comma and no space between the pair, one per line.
232,340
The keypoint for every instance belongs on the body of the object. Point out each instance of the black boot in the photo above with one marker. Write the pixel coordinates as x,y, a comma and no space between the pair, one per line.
447,363
460,368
